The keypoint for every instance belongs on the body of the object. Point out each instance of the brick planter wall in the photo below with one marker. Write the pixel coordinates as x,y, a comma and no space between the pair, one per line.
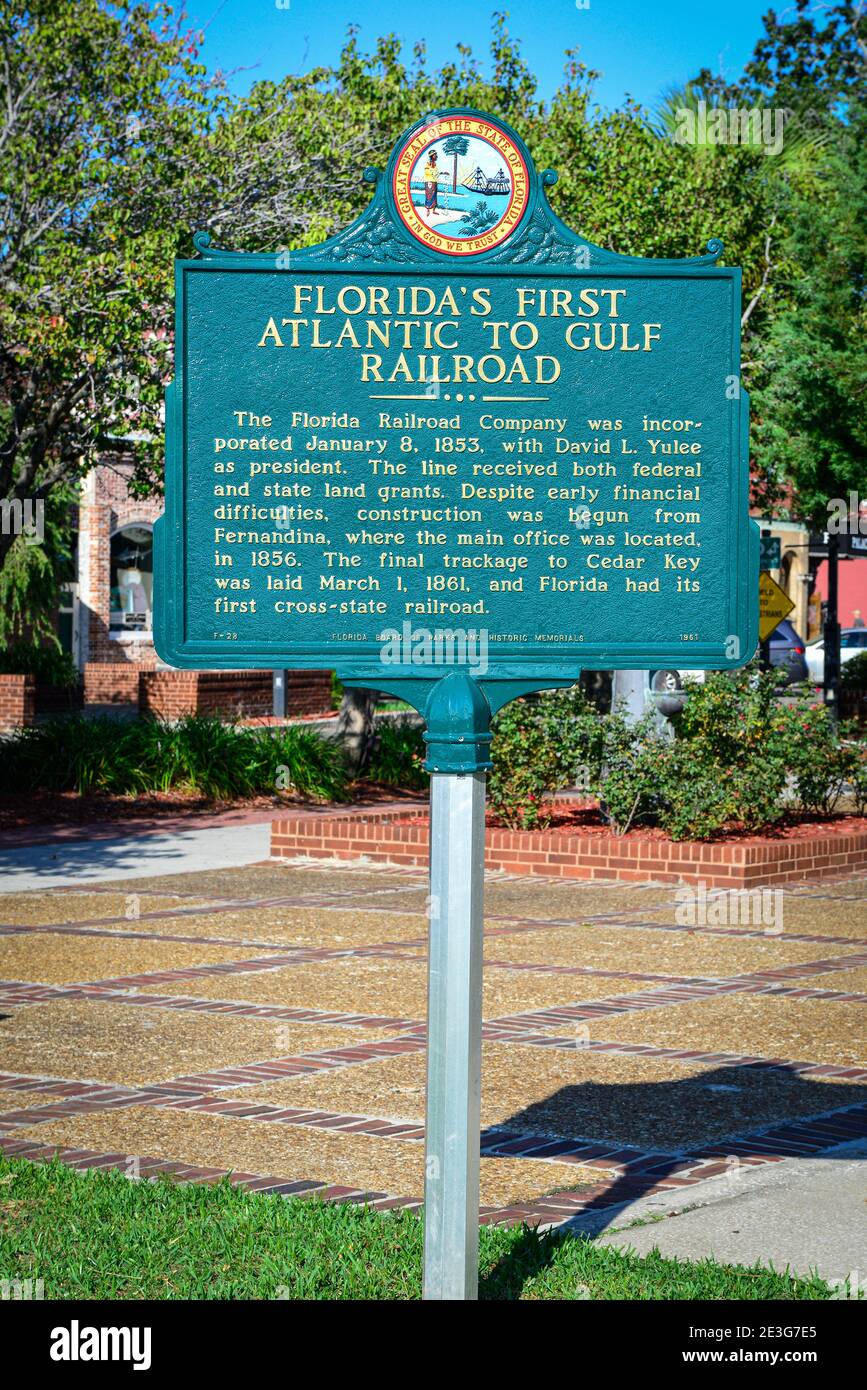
168,694
308,692
226,694
388,837
17,702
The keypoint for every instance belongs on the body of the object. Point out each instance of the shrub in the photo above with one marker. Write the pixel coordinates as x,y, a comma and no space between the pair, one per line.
145,755
49,665
540,745
739,755
657,781
858,775
314,766
398,755
819,764
853,675
735,728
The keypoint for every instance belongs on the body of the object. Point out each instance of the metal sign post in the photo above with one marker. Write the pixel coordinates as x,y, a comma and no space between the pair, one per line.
456,453
454,1031
458,740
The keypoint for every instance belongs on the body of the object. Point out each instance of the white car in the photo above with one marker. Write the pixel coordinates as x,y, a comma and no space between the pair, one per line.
852,641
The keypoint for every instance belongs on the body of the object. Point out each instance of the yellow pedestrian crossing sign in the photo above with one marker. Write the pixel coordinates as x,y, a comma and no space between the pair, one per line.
774,605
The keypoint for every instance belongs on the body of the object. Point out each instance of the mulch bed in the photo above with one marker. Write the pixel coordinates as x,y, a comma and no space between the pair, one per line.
69,808
571,817
586,819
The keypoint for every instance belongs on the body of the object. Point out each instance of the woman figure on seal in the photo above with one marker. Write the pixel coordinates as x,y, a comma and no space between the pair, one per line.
431,185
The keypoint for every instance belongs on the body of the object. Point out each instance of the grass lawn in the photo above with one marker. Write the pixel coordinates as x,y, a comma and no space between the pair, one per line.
100,1235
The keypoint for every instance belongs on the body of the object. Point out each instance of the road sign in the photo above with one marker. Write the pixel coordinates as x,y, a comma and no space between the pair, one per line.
774,605
457,453
769,552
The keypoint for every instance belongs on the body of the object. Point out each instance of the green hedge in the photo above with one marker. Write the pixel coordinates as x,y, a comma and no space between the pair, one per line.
206,756
853,675
398,754
739,755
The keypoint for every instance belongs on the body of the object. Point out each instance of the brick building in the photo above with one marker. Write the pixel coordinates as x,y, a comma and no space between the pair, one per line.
105,620
112,601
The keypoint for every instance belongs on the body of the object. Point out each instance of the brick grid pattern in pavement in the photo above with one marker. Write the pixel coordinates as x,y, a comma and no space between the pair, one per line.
625,1171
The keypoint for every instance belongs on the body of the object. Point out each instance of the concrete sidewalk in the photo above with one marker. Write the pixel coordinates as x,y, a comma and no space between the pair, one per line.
804,1214
73,862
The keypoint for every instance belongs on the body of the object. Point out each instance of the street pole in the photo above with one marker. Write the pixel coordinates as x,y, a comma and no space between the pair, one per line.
831,632
458,739
765,644
278,690
629,693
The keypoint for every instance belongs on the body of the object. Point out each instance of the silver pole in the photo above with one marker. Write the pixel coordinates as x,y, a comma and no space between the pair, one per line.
278,689
454,1075
629,690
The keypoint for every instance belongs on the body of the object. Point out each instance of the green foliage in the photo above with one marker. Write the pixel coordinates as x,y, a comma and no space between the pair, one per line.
398,755
30,576
307,763
217,760
734,727
857,771
810,430
853,675
741,756
49,665
102,107
540,745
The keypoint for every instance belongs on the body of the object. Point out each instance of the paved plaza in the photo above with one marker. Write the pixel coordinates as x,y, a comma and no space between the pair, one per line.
268,1020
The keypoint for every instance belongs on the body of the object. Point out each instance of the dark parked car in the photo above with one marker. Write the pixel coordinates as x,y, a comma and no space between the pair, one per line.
787,652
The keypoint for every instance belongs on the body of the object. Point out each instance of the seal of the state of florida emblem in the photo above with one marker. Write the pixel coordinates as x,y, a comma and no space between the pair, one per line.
460,184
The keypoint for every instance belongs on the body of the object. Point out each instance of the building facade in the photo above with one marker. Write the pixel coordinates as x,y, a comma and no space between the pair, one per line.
112,599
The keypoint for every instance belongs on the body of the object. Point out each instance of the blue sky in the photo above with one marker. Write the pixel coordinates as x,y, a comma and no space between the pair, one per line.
641,46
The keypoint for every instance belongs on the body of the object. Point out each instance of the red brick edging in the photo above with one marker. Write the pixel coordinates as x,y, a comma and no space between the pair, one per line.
396,837
629,1173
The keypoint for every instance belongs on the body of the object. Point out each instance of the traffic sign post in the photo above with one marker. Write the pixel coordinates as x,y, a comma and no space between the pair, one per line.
769,555
456,453
774,605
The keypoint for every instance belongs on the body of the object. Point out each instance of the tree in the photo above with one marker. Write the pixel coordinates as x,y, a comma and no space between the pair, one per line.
115,146
95,109
456,146
810,430
798,64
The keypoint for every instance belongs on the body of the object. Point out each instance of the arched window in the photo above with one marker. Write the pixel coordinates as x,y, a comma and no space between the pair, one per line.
132,579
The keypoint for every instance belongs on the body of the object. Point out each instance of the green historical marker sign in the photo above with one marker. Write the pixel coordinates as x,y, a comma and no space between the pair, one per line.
457,453
456,414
